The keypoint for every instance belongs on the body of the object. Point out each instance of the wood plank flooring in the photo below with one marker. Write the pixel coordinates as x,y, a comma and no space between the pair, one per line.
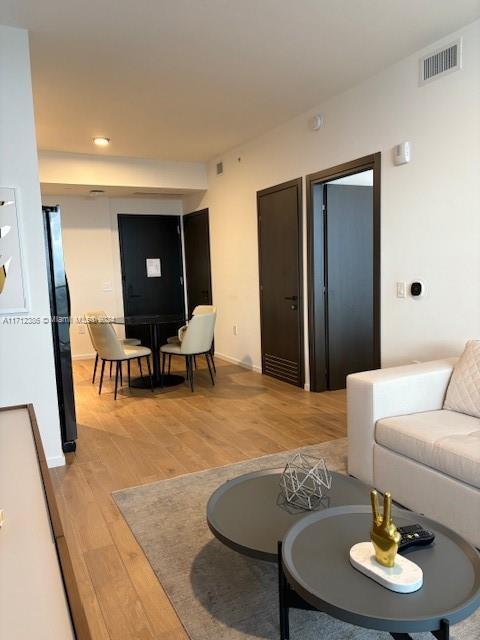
144,437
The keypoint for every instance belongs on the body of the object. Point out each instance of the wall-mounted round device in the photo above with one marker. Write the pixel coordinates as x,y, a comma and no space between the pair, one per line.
417,289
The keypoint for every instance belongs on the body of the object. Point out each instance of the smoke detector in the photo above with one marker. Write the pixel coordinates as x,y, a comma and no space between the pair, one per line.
317,121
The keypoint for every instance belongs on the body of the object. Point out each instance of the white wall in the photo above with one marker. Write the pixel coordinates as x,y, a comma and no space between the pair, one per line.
57,167
27,371
92,254
430,208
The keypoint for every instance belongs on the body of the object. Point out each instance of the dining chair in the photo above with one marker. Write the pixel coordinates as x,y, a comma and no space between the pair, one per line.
198,310
197,340
100,314
110,349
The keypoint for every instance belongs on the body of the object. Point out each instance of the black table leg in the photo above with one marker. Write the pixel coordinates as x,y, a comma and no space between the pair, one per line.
158,380
444,632
283,598
154,348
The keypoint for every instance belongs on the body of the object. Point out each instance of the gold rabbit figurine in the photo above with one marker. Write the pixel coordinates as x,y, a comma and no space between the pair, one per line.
384,534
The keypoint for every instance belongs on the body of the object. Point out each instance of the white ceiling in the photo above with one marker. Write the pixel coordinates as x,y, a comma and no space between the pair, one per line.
188,79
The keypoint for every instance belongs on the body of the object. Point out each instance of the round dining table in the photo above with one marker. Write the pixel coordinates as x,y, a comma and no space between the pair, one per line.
153,322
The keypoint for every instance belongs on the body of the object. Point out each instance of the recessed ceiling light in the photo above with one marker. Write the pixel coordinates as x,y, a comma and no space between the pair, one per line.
100,141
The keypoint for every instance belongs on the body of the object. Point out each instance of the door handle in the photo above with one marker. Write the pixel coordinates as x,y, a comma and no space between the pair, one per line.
293,307
291,297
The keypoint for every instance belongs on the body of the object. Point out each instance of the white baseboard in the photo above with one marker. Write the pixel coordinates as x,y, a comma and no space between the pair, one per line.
241,363
84,356
306,386
56,461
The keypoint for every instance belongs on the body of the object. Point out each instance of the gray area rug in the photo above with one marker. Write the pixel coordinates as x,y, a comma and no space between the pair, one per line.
217,593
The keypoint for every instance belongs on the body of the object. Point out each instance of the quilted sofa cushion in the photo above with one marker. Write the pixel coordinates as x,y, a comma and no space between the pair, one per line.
443,440
463,392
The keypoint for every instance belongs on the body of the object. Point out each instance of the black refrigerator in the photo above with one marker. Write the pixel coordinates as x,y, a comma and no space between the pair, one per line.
60,312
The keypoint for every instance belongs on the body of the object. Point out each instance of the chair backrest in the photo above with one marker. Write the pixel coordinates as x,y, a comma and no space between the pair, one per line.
198,336
204,308
104,339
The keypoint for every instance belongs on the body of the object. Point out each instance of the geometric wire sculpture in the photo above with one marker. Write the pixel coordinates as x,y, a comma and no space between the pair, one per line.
304,481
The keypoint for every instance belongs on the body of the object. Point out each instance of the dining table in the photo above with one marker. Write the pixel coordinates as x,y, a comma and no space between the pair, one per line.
154,322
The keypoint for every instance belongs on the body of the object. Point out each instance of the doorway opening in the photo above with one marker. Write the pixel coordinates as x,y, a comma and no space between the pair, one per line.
152,272
343,239
196,235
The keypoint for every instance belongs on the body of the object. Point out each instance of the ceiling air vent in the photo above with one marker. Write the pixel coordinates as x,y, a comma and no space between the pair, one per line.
441,62
219,168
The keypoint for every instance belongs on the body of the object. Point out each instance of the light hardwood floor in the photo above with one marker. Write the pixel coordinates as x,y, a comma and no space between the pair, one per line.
144,437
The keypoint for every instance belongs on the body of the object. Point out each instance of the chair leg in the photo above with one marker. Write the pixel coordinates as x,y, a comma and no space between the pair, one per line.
191,371
187,367
95,368
110,368
140,365
128,372
121,377
150,372
169,363
213,361
207,358
163,369
101,377
195,361
117,369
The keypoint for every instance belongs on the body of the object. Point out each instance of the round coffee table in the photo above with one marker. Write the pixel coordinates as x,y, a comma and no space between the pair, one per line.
249,514
315,569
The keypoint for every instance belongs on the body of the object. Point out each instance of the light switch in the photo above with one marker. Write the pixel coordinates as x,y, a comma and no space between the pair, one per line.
107,286
401,290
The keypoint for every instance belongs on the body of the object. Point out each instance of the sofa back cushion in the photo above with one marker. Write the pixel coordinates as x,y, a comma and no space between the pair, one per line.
463,392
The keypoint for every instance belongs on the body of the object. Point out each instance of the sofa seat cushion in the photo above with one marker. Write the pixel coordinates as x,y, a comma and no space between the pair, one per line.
444,440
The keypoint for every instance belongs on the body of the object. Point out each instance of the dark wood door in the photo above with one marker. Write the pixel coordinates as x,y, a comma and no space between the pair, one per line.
197,259
280,263
349,281
145,289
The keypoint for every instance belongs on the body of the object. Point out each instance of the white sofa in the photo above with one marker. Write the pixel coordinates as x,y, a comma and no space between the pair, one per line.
401,440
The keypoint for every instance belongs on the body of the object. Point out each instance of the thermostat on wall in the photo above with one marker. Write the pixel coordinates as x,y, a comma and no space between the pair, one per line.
417,289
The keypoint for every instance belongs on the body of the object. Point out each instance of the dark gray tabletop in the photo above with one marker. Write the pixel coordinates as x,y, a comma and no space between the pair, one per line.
250,515
316,563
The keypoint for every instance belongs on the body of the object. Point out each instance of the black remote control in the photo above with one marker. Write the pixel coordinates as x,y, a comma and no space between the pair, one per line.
414,535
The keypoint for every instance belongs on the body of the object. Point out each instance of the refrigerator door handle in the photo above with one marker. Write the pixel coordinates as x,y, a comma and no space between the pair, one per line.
69,304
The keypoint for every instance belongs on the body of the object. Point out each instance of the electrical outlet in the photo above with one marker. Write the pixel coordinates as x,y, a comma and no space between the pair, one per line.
235,329
401,290
107,286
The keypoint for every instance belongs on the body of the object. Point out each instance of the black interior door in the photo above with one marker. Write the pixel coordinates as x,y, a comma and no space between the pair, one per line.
147,290
197,259
280,263
349,281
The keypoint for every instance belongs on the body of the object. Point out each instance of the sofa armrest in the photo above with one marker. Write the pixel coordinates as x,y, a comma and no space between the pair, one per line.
385,393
